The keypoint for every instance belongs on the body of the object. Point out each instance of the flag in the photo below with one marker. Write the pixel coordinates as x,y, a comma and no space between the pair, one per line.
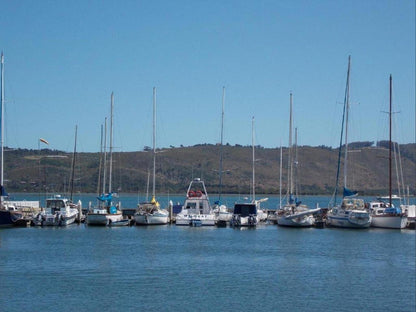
44,141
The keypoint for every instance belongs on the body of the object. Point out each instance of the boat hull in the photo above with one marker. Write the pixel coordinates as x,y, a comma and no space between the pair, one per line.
345,222
195,220
389,222
149,219
102,219
302,221
5,218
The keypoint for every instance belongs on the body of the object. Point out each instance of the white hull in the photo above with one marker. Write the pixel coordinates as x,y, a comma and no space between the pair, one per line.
389,222
302,221
149,219
346,222
103,218
57,219
191,219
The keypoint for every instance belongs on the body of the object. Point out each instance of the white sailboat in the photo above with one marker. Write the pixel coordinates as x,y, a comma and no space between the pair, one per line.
150,213
196,211
249,214
386,215
352,212
294,214
108,213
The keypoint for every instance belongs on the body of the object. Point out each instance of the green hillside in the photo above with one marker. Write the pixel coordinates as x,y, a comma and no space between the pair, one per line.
34,171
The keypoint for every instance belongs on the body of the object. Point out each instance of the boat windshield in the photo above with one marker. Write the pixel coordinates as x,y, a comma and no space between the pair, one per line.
245,209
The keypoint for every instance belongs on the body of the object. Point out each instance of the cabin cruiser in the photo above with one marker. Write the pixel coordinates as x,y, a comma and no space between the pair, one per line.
244,215
58,211
196,210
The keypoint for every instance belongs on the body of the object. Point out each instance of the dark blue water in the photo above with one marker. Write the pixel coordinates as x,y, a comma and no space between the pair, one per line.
169,268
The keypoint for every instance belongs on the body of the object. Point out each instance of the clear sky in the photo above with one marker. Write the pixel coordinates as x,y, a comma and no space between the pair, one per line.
64,58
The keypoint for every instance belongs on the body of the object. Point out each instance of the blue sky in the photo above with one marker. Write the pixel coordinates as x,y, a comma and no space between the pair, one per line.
64,58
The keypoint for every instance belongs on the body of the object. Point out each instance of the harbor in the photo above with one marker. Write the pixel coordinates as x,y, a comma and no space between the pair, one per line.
205,268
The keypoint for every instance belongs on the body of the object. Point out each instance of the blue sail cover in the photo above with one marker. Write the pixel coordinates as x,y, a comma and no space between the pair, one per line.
291,200
3,191
349,193
106,197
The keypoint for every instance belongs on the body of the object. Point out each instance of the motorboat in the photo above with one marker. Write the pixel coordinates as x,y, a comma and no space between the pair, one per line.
196,211
59,211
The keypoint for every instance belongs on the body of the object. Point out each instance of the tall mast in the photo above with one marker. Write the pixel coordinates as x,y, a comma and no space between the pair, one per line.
347,107
254,159
2,120
296,163
111,145
391,96
346,101
290,161
73,163
154,142
105,156
101,160
221,146
280,177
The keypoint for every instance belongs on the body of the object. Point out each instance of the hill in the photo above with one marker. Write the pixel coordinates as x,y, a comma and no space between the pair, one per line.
50,170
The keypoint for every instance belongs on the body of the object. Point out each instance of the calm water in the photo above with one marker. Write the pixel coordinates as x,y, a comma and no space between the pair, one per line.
169,268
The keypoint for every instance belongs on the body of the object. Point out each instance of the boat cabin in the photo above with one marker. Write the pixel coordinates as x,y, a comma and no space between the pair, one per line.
245,210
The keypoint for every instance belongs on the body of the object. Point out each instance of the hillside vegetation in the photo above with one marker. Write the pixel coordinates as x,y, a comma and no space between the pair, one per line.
48,170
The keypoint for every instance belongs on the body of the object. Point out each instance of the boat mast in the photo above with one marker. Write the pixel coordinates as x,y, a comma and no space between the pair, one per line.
346,99
2,123
154,143
100,165
252,143
73,163
347,107
390,200
280,177
221,146
290,164
296,163
111,144
105,156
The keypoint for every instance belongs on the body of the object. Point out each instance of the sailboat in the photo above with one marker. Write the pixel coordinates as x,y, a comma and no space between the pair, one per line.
249,214
385,215
108,213
11,212
294,214
352,212
150,213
